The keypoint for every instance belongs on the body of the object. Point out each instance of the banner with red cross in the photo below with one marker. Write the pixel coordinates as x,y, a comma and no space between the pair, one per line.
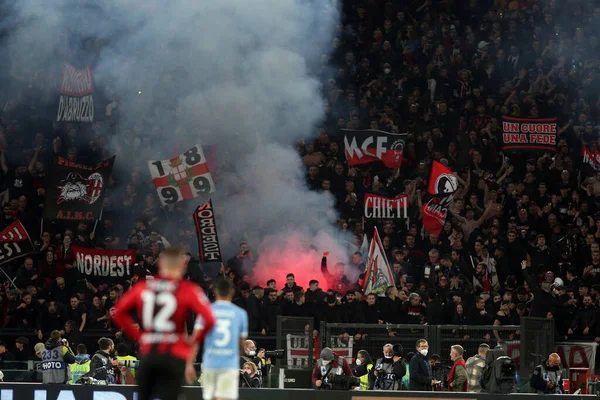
183,177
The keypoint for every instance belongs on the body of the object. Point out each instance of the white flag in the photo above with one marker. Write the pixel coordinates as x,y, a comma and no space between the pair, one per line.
364,247
378,274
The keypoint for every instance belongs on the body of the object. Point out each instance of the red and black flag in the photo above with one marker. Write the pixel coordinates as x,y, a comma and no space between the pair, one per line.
442,185
14,242
591,158
76,191
370,145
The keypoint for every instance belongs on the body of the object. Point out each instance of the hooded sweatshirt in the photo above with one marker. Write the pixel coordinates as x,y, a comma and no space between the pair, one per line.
80,368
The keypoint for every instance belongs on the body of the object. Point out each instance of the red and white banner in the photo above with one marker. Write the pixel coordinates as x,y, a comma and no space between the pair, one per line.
591,158
297,349
380,207
183,177
104,263
572,354
378,274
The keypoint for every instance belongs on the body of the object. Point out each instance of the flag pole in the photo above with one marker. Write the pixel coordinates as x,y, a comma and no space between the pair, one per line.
12,282
99,218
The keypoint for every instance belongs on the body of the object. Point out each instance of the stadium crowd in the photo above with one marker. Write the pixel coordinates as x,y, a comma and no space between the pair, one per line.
523,234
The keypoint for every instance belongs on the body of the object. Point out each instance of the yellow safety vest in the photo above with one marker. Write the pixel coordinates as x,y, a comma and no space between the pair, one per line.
364,380
124,369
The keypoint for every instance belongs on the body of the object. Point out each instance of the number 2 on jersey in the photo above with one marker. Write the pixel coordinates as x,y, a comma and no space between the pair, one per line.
223,329
158,321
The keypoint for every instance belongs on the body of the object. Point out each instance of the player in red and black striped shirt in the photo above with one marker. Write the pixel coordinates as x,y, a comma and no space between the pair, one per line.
163,305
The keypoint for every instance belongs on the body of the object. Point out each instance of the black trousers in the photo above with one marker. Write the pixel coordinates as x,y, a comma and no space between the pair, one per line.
160,377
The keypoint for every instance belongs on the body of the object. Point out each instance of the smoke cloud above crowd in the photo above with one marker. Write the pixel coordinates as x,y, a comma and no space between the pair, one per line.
243,77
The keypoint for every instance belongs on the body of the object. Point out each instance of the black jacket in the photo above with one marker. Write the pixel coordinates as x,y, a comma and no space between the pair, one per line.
101,367
253,308
543,302
420,373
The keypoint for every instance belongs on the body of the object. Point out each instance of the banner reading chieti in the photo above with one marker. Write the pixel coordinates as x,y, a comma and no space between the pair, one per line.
104,263
385,208
76,191
76,102
529,134
14,242
206,230
183,177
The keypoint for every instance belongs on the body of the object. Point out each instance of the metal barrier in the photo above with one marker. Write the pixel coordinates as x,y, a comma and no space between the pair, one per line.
537,344
295,335
372,337
471,336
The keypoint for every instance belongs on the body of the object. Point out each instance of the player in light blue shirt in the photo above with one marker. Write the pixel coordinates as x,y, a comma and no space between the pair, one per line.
222,345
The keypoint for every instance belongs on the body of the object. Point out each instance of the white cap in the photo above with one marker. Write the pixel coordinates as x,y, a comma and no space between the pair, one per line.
482,44
1,376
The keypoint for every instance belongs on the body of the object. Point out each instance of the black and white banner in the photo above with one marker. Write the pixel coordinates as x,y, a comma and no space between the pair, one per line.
206,230
76,102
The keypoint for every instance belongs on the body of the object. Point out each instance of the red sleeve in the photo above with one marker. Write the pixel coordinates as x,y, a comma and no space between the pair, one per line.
122,315
346,367
316,375
200,305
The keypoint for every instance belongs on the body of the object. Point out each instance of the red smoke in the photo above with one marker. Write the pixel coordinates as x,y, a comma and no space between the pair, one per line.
297,255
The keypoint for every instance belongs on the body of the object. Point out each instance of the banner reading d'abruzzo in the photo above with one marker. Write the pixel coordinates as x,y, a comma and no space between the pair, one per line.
529,134
76,102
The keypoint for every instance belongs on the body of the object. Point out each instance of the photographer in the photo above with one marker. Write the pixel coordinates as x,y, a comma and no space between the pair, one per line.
250,355
264,366
55,357
364,365
390,369
333,373
103,362
546,378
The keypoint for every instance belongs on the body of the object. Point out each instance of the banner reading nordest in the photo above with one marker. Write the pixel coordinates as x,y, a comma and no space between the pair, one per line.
104,263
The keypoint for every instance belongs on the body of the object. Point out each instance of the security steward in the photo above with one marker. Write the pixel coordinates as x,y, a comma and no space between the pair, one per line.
364,365
328,366
56,356
546,378
390,369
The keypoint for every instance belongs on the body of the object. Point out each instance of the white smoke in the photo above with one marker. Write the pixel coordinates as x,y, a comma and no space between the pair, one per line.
249,86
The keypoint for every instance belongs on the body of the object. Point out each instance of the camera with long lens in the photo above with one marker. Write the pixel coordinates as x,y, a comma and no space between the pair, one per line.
275,353
129,363
341,382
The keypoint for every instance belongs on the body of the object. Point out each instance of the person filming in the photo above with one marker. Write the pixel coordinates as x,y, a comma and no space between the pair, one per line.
390,369
333,372
546,378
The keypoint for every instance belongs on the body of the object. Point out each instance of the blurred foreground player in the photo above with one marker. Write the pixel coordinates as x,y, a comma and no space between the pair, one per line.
162,305
221,356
